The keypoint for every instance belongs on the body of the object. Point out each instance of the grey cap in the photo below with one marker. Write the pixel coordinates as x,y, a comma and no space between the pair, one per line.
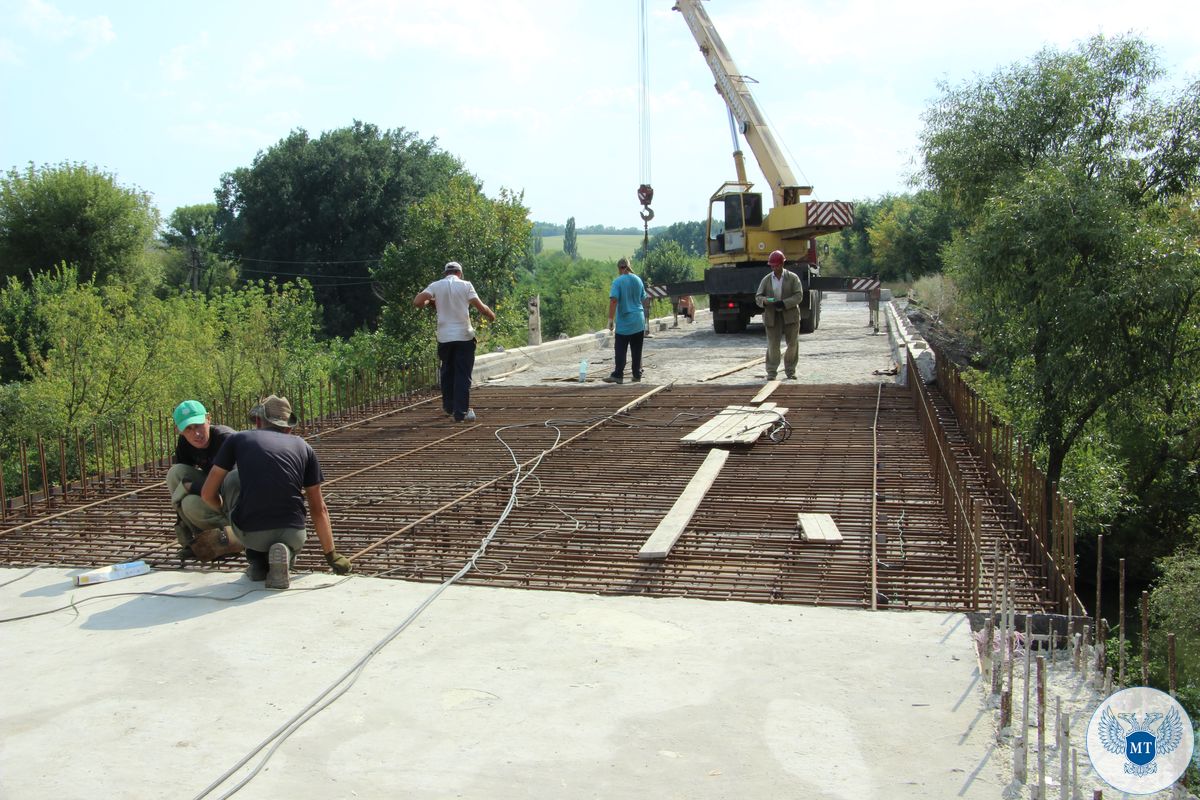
275,410
452,266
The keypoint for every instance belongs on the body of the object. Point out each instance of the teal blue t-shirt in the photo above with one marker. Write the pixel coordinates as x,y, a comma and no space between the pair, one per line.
628,291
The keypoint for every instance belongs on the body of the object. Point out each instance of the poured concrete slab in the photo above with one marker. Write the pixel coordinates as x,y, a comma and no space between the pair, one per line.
489,693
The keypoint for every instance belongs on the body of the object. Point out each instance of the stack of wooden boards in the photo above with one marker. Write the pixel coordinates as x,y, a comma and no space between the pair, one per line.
733,425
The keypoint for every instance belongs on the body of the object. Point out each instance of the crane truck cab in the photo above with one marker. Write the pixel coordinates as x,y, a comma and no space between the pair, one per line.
739,241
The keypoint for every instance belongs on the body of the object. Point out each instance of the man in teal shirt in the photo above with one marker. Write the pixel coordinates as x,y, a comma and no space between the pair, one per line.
626,319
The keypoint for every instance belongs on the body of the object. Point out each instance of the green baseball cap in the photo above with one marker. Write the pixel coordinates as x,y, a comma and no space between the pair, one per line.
189,412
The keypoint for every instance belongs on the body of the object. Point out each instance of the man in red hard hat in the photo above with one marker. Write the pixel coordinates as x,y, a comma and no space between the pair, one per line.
779,295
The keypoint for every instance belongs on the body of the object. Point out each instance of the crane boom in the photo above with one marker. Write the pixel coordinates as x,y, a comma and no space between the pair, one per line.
741,233
731,85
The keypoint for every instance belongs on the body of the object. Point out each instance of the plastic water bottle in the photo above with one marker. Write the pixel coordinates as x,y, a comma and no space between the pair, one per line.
582,370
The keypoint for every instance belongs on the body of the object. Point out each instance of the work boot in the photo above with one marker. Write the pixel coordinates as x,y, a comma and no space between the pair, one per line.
215,543
256,565
791,376
277,566
613,379
637,378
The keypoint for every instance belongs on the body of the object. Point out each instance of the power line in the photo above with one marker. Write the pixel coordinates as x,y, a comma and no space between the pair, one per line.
307,275
282,261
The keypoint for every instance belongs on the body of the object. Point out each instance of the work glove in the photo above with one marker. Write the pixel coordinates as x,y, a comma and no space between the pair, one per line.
779,306
338,562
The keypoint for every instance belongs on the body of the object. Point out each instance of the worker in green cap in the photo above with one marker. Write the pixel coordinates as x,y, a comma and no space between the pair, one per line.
199,441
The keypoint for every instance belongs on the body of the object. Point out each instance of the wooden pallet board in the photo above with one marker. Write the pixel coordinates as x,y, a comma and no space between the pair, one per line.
736,425
818,528
677,518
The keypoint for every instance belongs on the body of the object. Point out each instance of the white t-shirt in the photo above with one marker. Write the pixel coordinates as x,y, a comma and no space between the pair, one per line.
453,296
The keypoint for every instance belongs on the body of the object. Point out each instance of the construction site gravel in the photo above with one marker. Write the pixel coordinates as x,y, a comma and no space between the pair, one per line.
198,683
845,349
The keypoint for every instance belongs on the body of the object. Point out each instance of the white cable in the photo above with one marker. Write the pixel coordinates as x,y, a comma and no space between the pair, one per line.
350,676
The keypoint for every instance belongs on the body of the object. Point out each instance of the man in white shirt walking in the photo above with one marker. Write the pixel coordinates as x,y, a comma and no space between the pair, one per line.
453,298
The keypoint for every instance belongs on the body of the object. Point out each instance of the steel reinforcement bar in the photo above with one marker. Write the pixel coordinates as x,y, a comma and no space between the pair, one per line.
412,494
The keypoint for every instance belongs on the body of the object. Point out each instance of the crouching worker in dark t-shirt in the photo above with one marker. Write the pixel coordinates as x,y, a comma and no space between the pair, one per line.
278,472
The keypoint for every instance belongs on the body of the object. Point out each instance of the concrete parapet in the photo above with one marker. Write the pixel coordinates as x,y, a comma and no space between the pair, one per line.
907,343
489,365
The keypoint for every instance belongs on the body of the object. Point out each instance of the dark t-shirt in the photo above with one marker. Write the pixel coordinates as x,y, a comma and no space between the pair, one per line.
202,460
275,468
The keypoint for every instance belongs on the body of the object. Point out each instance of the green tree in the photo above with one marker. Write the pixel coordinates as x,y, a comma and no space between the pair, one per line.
570,241
897,237
906,236
192,238
79,215
325,209
853,254
263,339
92,353
1064,170
574,292
690,236
488,237
667,263
1173,609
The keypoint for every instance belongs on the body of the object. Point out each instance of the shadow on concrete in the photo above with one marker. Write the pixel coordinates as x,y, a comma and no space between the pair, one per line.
166,608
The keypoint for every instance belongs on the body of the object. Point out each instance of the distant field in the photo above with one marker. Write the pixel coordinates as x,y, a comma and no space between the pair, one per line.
597,245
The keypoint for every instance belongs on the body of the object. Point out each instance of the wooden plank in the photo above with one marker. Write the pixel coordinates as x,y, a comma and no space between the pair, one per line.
766,391
727,426
671,528
736,425
753,424
727,419
818,528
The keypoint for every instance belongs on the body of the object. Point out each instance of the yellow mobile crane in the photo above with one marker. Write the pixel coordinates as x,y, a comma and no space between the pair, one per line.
741,233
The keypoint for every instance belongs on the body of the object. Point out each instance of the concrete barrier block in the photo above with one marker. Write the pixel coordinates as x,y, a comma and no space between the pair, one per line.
906,342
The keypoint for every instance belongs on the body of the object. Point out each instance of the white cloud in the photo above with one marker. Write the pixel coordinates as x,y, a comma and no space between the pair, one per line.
232,137
46,22
9,53
271,69
177,63
513,36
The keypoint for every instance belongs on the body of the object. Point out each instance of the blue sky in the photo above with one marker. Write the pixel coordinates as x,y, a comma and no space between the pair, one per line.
539,96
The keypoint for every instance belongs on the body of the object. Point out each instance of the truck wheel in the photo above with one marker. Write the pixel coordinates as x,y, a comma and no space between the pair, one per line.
720,326
811,316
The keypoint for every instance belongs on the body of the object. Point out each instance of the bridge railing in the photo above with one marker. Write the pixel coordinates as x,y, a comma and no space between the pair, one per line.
41,474
1046,517
963,511
1010,473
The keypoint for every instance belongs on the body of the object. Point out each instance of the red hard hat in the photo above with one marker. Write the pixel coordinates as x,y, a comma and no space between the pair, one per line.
776,257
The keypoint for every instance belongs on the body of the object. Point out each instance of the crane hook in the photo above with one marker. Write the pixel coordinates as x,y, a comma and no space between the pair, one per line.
646,197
